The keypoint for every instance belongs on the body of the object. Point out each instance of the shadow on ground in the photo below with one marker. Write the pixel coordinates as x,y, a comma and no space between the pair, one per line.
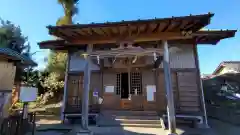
65,129
51,125
224,128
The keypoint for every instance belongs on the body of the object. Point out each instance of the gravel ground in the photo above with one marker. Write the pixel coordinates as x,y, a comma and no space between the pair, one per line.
52,122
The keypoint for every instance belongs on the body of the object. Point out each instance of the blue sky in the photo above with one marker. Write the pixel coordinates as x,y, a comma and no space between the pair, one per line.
34,15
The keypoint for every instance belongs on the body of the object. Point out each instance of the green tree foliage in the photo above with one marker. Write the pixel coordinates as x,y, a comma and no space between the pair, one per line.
11,37
57,60
52,83
70,9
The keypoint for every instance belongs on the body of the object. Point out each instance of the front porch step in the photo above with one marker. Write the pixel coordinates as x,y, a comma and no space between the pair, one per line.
138,121
131,113
129,118
132,125
138,117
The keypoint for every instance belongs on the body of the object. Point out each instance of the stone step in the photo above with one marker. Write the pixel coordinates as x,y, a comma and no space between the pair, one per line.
131,125
129,118
130,113
137,117
127,121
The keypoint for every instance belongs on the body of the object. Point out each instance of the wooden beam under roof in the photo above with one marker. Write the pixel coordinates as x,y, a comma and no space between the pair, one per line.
105,33
98,31
166,26
176,26
88,30
138,30
136,38
186,24
118,30
198,39
94,32
129,29
64,34
156,28
113,24
148,28
82,32
201,20
211,37
77,33
110,31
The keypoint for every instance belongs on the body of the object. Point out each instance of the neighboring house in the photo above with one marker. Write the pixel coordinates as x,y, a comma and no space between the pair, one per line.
8,61
206,76
227,67
225,80
125,60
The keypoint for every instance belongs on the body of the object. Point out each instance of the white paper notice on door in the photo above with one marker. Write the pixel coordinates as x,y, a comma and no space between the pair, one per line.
151,89
109,89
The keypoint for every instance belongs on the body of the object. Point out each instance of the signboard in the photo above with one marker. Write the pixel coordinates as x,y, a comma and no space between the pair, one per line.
28,94
95,92
109,89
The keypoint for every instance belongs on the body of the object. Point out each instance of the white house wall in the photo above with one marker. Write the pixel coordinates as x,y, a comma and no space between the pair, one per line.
231,68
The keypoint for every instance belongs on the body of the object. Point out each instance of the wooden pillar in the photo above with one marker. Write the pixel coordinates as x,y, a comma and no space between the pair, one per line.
169,91
65,86
85,95
200,87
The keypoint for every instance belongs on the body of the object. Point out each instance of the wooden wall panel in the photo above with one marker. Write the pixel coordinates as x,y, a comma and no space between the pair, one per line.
148,79
183,58
110,100
7,76
188,92
137,102
75,88
77,63
95,85
161,92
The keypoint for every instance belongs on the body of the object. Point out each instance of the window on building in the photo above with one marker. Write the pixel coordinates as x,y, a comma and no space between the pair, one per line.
135,83
118,88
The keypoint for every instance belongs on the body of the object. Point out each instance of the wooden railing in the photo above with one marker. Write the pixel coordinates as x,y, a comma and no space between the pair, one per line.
15,125
74,105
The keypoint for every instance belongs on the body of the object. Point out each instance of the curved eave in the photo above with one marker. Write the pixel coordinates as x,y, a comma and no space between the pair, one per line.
213,36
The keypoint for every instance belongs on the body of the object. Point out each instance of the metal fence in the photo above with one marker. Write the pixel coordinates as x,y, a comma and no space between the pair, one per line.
16,125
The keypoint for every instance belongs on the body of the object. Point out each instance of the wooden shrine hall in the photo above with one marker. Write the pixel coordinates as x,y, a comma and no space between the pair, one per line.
140,65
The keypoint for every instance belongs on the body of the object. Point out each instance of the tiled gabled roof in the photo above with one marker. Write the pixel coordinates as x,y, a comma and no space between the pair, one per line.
15,56
224,64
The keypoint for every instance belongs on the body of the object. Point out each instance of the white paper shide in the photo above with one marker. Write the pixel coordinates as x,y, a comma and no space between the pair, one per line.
151,89
28,94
